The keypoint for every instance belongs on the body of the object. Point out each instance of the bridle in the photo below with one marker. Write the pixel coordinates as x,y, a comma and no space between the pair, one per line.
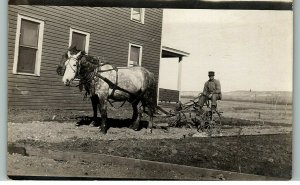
77,61
75,70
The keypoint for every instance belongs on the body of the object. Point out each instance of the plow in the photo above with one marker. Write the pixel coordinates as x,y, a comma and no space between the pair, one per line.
190,116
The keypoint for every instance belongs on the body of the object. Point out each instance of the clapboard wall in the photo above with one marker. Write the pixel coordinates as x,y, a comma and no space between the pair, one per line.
111,31
168,95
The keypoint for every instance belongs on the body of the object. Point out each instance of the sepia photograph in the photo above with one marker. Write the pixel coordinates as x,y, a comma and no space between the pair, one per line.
150,90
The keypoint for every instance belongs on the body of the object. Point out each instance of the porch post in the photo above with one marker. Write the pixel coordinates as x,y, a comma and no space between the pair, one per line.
179,76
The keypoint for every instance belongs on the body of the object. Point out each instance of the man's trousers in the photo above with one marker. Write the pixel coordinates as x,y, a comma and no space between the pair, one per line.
204,98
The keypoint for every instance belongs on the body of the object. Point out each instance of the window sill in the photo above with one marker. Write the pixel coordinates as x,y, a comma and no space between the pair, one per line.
27,74
137,21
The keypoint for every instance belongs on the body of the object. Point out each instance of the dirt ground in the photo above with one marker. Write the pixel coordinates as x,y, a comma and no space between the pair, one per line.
261,148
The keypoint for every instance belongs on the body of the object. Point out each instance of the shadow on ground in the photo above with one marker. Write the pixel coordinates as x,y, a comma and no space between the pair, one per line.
111,122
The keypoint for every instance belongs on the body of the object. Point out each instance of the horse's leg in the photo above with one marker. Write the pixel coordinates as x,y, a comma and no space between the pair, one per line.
94,100
135,116
103,112
150,114
151,119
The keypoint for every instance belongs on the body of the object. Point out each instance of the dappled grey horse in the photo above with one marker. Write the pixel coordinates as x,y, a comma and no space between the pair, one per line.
105,82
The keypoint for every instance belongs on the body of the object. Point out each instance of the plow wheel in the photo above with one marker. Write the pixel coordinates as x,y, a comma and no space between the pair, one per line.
209,121
179,119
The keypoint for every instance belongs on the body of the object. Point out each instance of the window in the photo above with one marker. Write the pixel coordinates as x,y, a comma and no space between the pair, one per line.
28,47
138,14
135,55
79,39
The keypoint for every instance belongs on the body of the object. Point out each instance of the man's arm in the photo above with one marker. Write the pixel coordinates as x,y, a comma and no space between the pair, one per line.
218,87
205,89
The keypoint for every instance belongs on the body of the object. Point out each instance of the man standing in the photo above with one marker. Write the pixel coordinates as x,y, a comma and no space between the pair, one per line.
211,90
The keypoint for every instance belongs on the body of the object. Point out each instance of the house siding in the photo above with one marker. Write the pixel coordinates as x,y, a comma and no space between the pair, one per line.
111,31
168,95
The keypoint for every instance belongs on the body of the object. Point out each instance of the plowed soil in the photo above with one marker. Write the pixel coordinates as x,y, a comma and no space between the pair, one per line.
254,147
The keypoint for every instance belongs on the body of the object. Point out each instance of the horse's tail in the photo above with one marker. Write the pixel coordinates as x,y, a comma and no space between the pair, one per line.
150,97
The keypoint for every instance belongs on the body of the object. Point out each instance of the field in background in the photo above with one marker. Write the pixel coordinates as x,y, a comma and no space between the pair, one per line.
258,112
269,97
270,106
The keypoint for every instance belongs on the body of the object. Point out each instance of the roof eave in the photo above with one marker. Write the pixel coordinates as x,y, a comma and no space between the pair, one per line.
174,52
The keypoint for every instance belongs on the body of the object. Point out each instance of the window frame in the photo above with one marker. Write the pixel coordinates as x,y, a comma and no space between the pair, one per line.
142,21
39,46
87,41
140,54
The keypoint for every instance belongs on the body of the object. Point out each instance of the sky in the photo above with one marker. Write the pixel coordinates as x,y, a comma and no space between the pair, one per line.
247,49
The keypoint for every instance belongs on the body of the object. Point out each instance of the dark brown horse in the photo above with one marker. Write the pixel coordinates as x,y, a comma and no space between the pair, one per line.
105,82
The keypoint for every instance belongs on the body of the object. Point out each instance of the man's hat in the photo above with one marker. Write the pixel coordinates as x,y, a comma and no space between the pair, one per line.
211,73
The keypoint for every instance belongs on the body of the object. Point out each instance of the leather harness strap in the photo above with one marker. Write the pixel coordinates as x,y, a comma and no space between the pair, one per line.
113,86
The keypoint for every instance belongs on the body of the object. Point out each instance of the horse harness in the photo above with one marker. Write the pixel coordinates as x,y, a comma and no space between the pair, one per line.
114,86
90,77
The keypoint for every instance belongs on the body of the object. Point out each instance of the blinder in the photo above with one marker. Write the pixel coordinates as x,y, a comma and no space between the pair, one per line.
60,70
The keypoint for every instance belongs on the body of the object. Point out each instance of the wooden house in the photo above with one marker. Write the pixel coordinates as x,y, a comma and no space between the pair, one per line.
39,35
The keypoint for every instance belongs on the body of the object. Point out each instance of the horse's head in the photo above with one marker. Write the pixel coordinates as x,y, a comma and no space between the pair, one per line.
60,70
71,67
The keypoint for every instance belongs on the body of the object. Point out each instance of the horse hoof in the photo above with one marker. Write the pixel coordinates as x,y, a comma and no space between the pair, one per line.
149,131
103,131
135,128
93,124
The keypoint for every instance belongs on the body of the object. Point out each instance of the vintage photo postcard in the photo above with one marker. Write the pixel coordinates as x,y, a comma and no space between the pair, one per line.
150,90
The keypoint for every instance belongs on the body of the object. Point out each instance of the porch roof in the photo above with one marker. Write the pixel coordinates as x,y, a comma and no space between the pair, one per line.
168,52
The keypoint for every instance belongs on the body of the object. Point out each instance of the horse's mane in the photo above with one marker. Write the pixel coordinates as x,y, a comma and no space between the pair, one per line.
88,62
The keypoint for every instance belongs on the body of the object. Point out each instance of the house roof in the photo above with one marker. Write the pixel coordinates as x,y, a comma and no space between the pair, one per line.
168,52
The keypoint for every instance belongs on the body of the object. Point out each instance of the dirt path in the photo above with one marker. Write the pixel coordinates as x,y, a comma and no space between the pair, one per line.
254,151
56,132
56,164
